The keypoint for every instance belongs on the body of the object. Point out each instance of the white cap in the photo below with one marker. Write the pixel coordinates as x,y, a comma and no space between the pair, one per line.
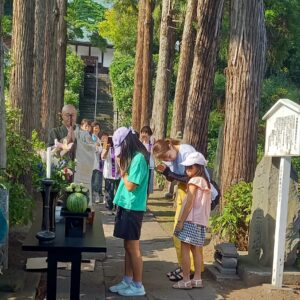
194,158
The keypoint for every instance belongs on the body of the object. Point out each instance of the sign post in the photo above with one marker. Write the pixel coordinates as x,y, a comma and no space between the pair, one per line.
281,219
283,140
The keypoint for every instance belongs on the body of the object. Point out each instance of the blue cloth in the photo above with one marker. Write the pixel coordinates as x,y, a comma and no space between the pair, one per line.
3,227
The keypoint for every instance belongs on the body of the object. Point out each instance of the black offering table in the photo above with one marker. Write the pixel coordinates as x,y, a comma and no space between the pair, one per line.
67,249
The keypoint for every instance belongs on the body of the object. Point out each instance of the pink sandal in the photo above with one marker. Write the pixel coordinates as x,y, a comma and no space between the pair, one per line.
185,285
197,283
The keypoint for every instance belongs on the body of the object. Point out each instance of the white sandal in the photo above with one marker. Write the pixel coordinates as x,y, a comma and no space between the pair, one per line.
185,285
197,283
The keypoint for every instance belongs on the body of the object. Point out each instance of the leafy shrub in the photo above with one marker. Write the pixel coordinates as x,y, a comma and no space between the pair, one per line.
74,78
160,180
219,90
20,159
120,27
122,77
214,124
71,97
276,87
233,223
20,204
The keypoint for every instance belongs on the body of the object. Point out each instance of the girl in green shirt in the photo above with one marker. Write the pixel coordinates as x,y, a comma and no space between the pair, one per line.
131,198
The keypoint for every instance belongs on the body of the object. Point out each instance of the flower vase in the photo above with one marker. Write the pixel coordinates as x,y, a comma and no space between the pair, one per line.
52,205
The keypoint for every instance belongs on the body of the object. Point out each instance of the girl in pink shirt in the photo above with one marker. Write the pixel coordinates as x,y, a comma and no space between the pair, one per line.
193,219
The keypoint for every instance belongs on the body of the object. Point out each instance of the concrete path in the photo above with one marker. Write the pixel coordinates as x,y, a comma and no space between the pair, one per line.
158,255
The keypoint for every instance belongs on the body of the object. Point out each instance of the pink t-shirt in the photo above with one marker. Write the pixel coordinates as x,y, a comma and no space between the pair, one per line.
200,211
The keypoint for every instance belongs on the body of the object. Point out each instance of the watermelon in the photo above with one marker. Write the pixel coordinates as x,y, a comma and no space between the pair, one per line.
77,203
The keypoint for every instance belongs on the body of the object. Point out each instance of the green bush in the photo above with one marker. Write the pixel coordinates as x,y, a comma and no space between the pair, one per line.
71,97
74,78
215,121
233,223
122,77
20,204
219,90
275,88
21,158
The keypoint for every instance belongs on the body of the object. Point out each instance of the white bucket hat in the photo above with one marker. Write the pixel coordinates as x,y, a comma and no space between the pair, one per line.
194,158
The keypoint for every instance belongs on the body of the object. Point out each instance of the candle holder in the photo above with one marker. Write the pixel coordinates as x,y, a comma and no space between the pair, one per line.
46,236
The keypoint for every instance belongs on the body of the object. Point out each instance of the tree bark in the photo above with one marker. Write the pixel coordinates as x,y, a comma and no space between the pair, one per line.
166,42
184,69
3,156
39,45
244,76
203,72
138,70
49,92
147,64
22,58
61,53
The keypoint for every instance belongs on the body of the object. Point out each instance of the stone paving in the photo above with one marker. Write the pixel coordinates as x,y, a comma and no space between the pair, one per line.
158,255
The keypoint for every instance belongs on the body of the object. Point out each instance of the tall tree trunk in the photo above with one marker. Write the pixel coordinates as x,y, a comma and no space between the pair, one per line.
138,70
39,45
22,58
49,92
147,64
61,53
203,72
160,103
3,156
244,76
184,69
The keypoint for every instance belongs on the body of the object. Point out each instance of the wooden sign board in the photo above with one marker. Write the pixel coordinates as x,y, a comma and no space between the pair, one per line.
283,129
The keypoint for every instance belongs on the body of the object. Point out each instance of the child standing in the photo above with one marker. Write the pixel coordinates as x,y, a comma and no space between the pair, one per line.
148,141
111,172
193,219
131,199
97,175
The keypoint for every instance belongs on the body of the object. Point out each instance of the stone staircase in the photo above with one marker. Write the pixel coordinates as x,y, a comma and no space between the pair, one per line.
104,107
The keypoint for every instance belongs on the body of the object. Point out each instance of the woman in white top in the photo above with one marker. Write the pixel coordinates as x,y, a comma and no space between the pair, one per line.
173,153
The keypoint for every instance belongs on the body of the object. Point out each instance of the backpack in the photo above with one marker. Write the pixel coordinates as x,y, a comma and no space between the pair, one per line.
215,194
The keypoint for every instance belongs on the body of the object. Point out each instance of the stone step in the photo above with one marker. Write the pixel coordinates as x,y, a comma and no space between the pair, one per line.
104,107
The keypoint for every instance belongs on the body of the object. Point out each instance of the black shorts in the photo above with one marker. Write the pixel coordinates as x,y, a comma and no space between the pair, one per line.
128,224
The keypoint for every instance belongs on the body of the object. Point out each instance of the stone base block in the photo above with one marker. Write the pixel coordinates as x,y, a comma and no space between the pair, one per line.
218,276
224,270
253,274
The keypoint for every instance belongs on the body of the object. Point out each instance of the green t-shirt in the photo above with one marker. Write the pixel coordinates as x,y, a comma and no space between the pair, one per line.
138,174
